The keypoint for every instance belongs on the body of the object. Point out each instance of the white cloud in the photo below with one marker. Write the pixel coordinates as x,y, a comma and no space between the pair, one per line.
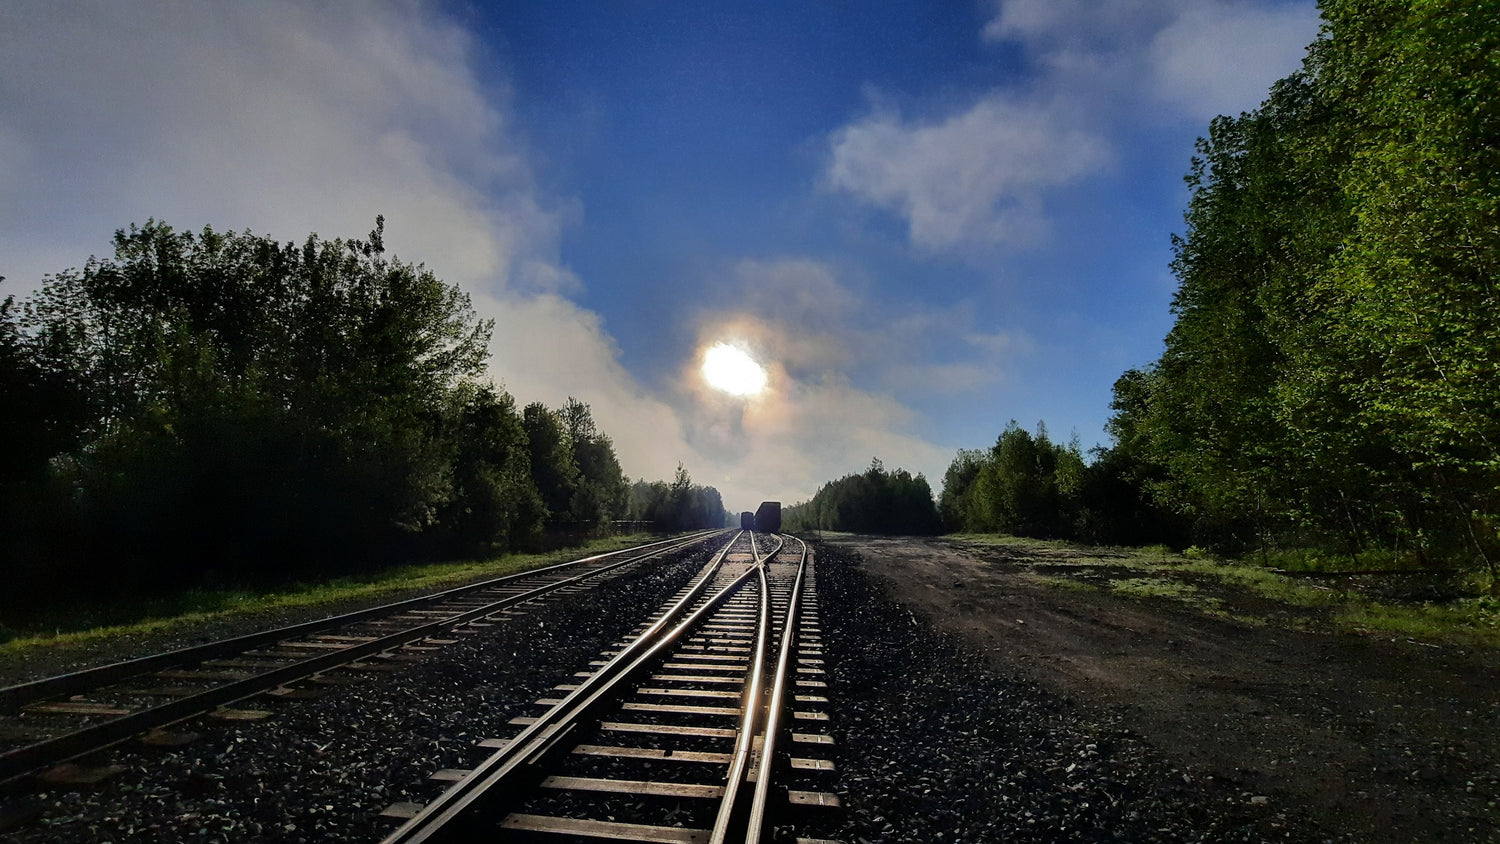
830,428
983,176
1059,25
280,117
1200,58
812,425
800,313
973,177
799,434
546,348
1221,58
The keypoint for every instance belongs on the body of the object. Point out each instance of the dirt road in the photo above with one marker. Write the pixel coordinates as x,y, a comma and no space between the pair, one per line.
1381,738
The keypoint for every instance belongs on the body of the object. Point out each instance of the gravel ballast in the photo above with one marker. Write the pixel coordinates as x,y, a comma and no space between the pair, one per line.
931,747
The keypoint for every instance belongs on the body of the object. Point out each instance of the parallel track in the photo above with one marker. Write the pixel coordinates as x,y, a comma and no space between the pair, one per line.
115,702
673,738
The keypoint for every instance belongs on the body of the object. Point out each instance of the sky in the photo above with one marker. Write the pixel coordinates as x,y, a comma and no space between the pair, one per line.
923,219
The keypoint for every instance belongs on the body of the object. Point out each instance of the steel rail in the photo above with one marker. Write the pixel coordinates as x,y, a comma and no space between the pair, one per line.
538,738
745,743
755,824
27,758
12,698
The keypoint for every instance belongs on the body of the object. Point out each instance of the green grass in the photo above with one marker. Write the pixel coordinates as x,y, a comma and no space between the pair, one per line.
1062,582
1014,541
1167,588
1473,622
1154,587
1317,560
82,626
1263,582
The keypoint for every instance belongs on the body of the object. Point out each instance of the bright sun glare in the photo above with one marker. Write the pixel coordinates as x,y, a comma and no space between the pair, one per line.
728,368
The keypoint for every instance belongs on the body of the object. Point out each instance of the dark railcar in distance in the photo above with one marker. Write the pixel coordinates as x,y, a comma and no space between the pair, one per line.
768,517
747,520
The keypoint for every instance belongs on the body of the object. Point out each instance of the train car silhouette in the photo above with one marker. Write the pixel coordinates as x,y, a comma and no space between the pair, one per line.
768,517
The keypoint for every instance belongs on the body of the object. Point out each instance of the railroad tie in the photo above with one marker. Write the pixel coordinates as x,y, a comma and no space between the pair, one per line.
605,829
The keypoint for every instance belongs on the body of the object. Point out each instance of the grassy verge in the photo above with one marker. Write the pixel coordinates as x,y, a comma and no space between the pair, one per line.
139,616
1246,591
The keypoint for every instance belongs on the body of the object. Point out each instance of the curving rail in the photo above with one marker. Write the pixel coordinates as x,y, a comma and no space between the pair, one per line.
709,648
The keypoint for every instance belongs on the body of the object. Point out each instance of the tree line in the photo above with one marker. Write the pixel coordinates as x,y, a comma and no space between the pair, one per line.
1332,374
876,501
1024,485
680,505
222,406
1332,378
1028,485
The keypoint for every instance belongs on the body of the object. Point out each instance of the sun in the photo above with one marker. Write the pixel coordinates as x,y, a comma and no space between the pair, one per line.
730,369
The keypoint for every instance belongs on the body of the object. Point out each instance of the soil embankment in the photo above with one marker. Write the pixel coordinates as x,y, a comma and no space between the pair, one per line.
1383,739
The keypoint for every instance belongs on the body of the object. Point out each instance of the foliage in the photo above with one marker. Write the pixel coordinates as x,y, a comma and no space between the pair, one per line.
602,492
224,407
678,506
1027,485
1024,485
1331,373
1330,381
958,488
494,502
876,501
553,465
575,469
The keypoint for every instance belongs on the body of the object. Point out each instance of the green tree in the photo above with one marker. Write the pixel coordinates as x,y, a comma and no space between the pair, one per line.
1330,374
958,489
42,412
678,506
1415,343
876,501
553,466
495,504
253,405
602,493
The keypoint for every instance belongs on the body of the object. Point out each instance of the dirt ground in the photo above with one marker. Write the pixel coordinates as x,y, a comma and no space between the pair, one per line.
1376,738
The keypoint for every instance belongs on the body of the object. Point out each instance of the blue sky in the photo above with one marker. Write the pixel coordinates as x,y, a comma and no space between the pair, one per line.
925,218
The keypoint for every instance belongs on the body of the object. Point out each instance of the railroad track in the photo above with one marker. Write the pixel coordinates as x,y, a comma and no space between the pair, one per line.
680,734
56,719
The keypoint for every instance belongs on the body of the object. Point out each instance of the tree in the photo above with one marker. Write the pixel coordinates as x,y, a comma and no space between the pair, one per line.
42,413
876,501
602,492
683,508
553,465
495,504
247,405
681,505
1329,375
958,489
1025,485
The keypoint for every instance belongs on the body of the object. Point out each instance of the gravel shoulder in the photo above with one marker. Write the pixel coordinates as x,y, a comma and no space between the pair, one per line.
61,657
322,769
1368,739
40,662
